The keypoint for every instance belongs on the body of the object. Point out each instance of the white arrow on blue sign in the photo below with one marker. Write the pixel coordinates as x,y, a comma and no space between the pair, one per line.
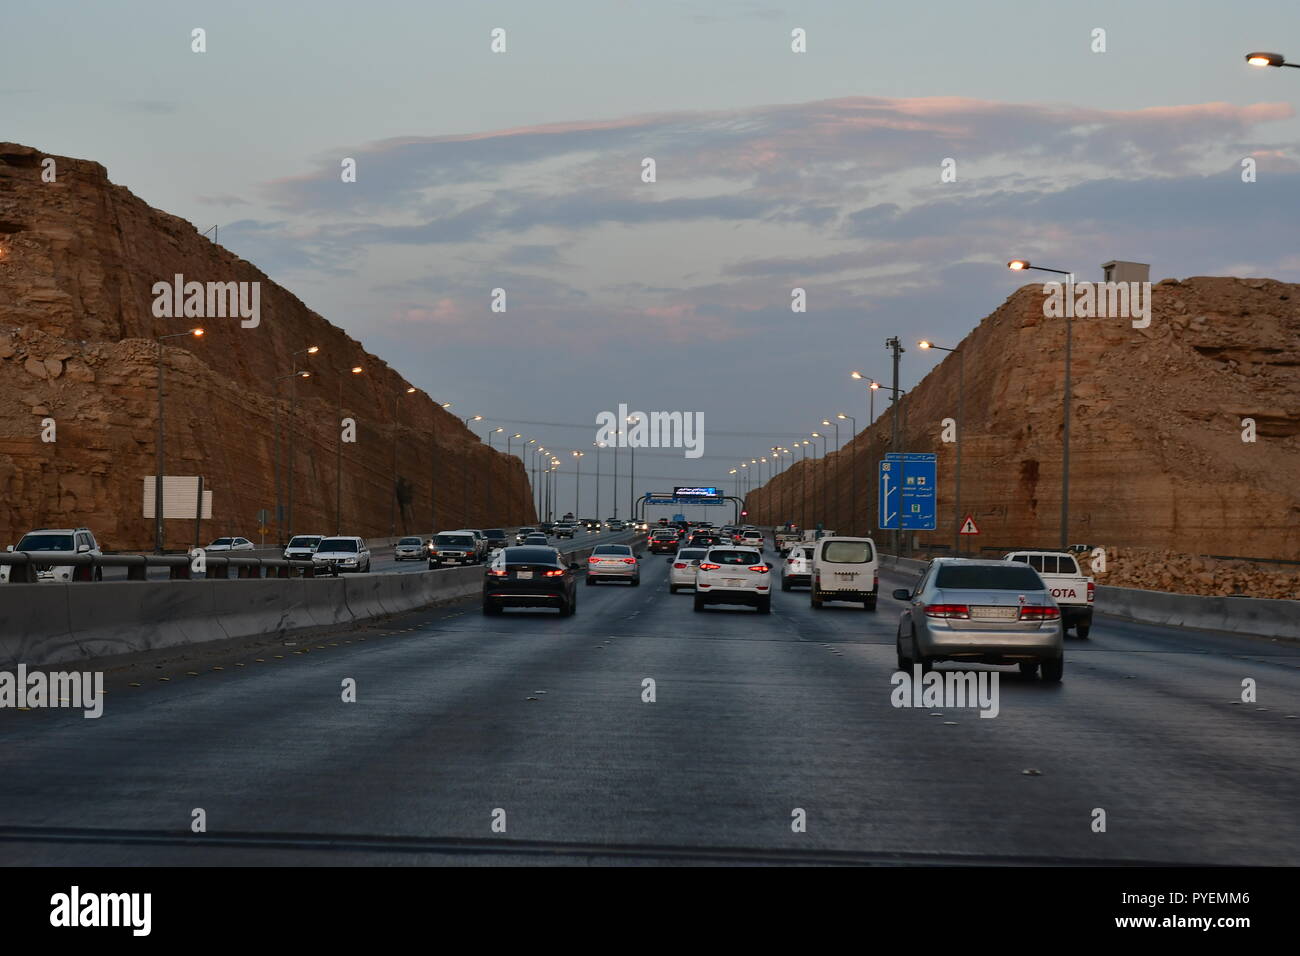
913,477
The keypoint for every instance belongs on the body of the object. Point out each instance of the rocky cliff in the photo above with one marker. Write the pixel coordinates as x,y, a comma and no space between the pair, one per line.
79,258
1158,459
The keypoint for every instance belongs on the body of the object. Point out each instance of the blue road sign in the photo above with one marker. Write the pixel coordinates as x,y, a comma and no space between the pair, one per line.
913,477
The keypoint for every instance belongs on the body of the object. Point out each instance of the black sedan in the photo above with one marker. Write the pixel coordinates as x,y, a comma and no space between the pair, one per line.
530,577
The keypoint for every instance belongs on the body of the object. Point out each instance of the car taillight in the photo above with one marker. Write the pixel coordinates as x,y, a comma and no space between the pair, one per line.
629,560
552,574
1092,592
679,565
433,550
705,566
947,610
496,573
593,560
760,568
1037,612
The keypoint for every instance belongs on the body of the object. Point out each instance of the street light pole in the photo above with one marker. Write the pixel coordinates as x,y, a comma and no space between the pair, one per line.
158,539
433,469
853,472
293,407
338,455
1018,265
838,498
577,486
961,428
279,521
397,409
598,446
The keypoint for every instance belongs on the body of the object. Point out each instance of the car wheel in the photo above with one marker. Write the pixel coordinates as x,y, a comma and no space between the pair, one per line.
785,585
566,609
816,601
672,589
869,604
904,662
1029,668
99,576
1053,671
434,565
1081,630
765,605
699,603
636,581
590,580
490,609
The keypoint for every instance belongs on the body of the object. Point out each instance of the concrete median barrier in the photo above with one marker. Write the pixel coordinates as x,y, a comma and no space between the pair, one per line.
1237,615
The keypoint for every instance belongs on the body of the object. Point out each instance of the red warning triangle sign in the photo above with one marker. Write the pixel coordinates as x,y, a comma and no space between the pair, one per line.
968,526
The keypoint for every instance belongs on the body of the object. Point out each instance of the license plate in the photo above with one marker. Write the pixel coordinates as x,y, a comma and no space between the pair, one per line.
733,580
523,575
994,613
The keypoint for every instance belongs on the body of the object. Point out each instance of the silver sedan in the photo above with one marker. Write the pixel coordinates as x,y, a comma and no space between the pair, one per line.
990,612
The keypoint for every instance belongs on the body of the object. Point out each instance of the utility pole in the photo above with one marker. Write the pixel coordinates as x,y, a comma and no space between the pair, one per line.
892,343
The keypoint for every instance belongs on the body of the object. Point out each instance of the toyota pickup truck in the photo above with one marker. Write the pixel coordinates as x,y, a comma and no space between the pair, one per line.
785,540
1071,589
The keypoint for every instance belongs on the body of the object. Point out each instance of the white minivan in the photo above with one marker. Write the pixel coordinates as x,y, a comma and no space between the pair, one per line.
844,569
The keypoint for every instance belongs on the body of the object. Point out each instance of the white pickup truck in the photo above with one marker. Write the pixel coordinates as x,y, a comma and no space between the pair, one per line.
1072,590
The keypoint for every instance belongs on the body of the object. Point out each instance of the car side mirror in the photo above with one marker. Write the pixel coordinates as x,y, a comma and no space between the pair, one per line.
83,549
902,594
9,547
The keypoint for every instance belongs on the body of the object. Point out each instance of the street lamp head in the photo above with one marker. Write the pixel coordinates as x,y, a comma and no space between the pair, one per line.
816,435
516,435
825,421
304,374
411,390
875,386
923,344
1018,265
1265,59
476,418
445,404
313,349
498,430
857,375
356,370
197,333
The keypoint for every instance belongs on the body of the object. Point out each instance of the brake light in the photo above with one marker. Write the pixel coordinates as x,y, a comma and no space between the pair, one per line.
593,560
679,565
705,566
496,574
552,574
629,560
1036,612
760,568
1092,592
433,550
947,610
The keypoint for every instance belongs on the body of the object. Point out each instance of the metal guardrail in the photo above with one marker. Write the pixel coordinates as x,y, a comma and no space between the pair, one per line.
27,563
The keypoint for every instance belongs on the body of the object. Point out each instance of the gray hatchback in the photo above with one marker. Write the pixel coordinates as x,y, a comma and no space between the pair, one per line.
990,612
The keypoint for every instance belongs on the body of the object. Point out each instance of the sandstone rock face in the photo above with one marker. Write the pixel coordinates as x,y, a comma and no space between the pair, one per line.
1157,457
78,260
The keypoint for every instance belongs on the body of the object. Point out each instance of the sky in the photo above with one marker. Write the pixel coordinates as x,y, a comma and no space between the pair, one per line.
774,170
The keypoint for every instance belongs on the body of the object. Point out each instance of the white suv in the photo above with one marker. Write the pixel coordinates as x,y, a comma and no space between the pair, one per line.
734,576
751,539
58,541
341,553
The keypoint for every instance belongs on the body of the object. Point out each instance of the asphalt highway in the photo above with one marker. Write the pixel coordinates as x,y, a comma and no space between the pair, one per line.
459,716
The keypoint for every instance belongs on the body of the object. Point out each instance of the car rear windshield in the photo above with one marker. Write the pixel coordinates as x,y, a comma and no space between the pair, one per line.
665,535
46,542
455,540
619,549
846,552
531,556
409,541
337,544
494,533
988,577
691,554
304,542
734,557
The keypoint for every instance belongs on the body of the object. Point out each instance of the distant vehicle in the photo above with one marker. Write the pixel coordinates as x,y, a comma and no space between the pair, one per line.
975,611
530,577
1072,590
663,542
302,546
812,534
845,569
681,573
568,517
797,569
613,562
591,524
480,540
537,540
546,527
564,530
642,526
785,540
452,547
752,539
733,575
496,539
614,524
231,544
342,553
703,539
523,533
412,549
663,522
58,541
